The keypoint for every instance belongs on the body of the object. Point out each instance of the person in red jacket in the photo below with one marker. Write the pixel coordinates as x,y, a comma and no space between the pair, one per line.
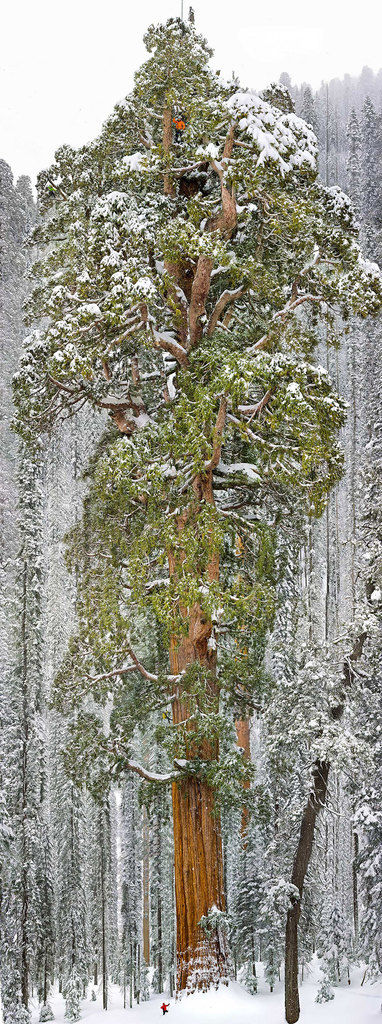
164,1008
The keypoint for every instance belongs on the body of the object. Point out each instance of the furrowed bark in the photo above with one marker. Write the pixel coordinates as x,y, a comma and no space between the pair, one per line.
198,845
243,741
300,866
199,884
169,187
200,289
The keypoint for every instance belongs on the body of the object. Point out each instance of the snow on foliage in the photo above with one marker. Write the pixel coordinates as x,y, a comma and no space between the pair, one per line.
282,138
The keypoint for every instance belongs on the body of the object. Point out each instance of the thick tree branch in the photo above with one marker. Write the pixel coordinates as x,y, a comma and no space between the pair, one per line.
255,410
150,675
122,671
226,220
199,292
226,299
133,766
218,435
135,667
170,345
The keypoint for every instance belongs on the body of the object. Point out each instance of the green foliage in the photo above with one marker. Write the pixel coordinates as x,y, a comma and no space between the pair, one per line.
129,222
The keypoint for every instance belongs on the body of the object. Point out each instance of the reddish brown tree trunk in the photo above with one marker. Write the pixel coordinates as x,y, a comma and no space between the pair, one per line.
199,886
197,838
244,741
169,188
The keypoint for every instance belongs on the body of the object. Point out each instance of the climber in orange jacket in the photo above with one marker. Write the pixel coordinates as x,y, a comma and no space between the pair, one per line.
180,125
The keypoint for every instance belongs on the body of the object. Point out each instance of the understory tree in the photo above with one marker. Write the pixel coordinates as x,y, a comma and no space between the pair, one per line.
182,288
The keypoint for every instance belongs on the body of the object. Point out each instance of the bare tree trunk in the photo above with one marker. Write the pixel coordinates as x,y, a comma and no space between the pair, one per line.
300,866
103,913
355,885
159,909
138,974
146,889
131,975
24,804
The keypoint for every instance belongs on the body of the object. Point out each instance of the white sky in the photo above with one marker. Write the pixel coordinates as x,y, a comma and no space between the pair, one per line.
64,63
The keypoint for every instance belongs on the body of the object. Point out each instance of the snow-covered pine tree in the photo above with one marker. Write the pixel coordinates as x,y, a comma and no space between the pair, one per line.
30,869
367,719
371,128
72,917
16,218
183,285
70,808
308,109
131,904
98,857
161,892
333,950
354,163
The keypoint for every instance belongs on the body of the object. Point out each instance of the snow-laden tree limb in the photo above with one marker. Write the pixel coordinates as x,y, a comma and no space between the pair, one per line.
135,667
226,299
282,314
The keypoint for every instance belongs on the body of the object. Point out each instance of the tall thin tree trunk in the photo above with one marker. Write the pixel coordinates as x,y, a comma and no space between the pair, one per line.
24,802
355,884
103,913
138,974
45,989
146,888
300,866
159,908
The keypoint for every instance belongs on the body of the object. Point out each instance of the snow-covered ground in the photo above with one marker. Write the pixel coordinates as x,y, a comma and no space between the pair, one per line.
354,1004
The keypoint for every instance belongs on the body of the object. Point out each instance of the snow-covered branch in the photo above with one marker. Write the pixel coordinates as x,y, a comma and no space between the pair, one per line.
135,667
226,299
163,340
133,766
283,314
255,410
149,675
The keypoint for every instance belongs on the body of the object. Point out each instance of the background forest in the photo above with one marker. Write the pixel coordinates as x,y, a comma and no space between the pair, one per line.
86,868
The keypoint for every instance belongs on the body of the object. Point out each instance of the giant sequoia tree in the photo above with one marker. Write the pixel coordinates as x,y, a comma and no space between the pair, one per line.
181,289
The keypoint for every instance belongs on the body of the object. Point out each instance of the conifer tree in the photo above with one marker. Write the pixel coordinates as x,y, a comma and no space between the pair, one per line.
371,178
16,217
182,285
131,906
307,108
354,165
